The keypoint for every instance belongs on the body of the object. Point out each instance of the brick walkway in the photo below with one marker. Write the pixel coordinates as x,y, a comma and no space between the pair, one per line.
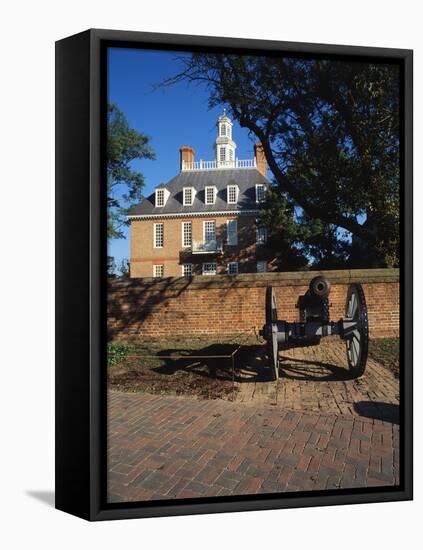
307,432
316,379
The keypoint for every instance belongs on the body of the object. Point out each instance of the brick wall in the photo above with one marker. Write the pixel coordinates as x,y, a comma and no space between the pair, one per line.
231,305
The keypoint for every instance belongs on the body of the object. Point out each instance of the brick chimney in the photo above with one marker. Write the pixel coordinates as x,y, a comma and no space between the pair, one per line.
261,161
187,154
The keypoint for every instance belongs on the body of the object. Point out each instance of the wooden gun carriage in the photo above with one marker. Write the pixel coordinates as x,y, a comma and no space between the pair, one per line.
314,323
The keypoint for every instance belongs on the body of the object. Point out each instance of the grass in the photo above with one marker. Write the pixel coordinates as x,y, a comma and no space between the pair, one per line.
118,352
386,351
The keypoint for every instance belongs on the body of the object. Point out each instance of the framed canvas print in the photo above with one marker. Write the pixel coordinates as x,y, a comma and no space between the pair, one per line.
234,282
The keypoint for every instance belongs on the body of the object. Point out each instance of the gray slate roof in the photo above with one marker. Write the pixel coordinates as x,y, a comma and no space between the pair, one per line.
246,179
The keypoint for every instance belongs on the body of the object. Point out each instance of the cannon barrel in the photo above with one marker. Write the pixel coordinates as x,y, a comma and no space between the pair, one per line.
319,287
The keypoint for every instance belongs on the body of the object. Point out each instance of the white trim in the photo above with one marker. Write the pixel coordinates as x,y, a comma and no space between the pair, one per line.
264,192
192,214
154,271
222,154
237,268
209,263
182,229
204,229
154,235
203,165
166,194
192,196
235,243
233,185
182,269
207,187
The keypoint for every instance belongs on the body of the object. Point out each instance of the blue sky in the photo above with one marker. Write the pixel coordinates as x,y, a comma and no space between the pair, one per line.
172,116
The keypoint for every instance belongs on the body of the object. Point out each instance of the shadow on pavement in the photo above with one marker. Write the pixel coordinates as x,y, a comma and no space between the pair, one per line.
314,371
387,412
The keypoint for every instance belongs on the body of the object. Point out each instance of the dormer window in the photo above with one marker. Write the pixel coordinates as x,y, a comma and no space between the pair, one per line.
260,192
210,195
161,195
188,196
232,194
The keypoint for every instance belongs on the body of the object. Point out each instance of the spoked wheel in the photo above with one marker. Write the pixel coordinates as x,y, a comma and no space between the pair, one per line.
357,340
272,339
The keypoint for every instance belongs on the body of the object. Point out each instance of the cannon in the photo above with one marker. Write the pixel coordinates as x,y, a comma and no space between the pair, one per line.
314,323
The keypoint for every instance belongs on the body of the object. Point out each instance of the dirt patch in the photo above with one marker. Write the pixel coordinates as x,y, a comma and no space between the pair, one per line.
314,378
195,367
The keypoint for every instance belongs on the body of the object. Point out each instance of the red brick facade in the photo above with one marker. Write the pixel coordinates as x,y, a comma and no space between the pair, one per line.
219,191
260,159
224,305
144,256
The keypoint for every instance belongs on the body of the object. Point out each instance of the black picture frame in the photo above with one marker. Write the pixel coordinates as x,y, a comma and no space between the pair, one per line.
81,286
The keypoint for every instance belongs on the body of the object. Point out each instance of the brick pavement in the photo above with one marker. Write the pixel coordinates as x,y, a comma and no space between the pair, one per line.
335,433
316,378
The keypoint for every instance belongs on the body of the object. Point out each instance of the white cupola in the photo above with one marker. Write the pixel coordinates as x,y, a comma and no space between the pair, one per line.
224,146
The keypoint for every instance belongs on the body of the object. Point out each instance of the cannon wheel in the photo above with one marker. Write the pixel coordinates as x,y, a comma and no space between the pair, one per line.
272,339
358,343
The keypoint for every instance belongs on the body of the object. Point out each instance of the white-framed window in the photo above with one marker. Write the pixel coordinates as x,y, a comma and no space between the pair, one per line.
186,234
210,194
223,130
232,268
209,268
222,154
160,197
261,267
232,194
261,235
231,154
232,232
188,196
187,270
158,270
260,192
158,235
209,230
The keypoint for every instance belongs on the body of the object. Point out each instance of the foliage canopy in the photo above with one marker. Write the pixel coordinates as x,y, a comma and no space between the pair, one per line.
330,132
124,184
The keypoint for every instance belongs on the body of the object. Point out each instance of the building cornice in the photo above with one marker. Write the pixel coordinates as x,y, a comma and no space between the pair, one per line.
207,214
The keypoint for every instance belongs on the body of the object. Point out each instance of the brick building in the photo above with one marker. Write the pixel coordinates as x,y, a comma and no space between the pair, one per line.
204,220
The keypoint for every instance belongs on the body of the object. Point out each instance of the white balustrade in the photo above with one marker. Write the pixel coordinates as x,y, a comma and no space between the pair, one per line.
217,165
211,246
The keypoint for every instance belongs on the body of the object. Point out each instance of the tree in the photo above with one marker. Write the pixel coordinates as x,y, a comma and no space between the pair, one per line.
124,184
124,268
111,266
330,133
284,235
